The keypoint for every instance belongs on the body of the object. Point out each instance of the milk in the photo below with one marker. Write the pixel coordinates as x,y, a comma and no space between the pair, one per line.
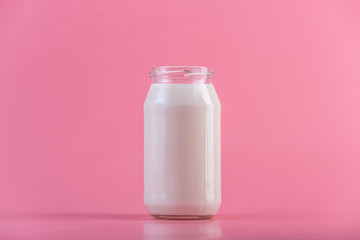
182,150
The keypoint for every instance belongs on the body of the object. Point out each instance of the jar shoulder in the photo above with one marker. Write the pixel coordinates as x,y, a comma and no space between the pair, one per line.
182,94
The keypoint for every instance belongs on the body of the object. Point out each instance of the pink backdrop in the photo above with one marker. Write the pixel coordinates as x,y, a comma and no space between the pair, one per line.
74,75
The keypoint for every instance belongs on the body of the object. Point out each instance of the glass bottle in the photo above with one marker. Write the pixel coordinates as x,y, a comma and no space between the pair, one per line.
182,162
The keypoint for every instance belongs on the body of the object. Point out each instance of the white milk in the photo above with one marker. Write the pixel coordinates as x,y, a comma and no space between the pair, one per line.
182,150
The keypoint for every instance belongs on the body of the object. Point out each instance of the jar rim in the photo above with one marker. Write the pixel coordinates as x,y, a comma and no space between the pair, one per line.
181,74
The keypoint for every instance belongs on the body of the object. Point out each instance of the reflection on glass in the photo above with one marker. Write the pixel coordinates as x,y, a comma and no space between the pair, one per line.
176,230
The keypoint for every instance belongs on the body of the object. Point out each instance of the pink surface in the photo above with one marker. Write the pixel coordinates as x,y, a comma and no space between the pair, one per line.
74,75
117,226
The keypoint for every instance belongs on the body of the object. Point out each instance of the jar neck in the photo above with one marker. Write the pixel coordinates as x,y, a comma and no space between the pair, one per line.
181,74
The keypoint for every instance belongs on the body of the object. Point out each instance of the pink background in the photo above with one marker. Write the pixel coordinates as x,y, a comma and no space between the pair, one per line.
74,75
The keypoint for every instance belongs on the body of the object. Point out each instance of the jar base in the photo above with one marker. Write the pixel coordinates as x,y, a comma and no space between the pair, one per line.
183,217
166,210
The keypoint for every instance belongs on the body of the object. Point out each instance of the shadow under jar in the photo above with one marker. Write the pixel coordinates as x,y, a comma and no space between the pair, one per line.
182,162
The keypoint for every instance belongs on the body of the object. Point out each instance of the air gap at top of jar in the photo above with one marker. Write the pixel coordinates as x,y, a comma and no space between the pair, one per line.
182,165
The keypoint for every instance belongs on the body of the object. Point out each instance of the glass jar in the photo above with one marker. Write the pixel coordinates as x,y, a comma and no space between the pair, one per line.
182,162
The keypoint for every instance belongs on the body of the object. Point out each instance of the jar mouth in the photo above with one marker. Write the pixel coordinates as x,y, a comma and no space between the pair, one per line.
181,74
